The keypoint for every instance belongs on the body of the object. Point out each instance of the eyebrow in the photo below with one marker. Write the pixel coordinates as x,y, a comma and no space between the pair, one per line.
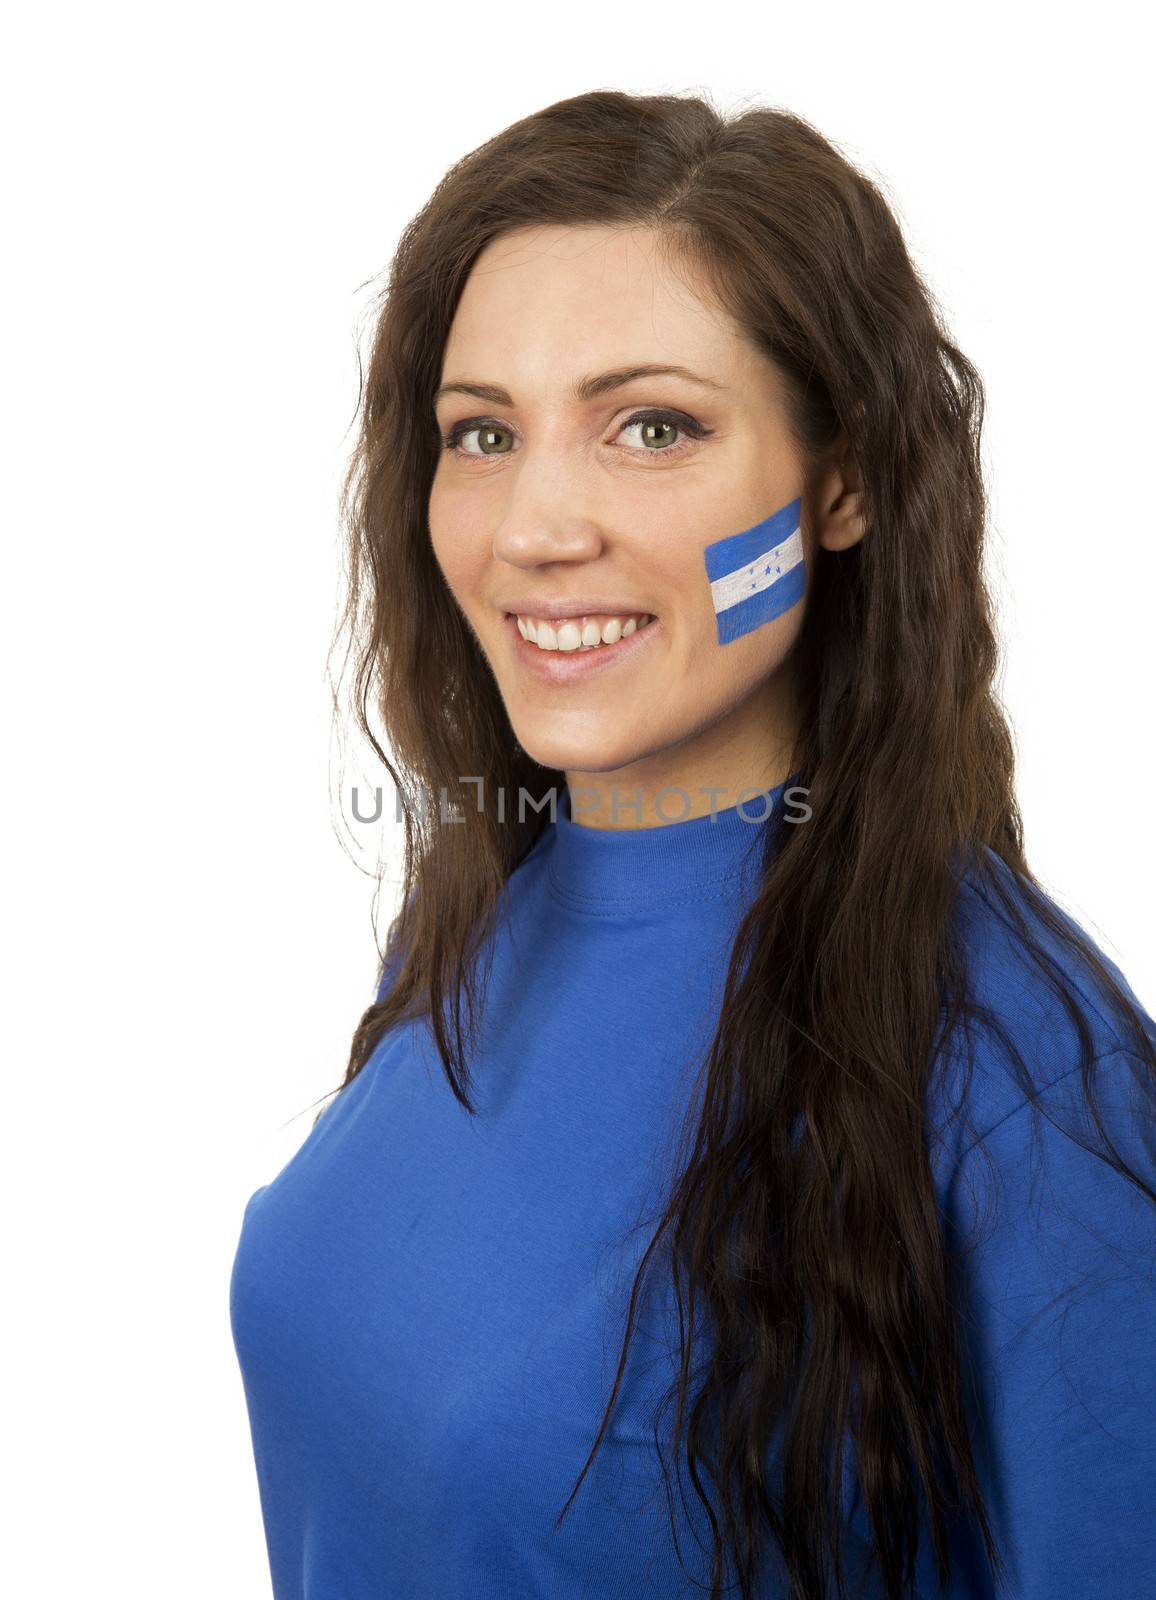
588,388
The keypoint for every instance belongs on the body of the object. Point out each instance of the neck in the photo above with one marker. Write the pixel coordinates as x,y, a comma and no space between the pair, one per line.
744,753
628,799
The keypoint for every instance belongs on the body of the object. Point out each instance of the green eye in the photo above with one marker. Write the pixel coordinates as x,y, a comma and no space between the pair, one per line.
489,438
661,433
664,429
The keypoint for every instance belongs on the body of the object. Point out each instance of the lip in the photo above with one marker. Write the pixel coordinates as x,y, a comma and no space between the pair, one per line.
583,606
566,666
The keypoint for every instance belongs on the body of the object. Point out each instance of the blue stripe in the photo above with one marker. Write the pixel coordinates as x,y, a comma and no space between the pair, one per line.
768,603
725,555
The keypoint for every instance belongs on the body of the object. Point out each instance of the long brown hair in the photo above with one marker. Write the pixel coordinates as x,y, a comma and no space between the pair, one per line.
805,1216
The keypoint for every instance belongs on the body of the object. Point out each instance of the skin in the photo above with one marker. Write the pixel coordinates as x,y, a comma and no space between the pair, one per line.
569,499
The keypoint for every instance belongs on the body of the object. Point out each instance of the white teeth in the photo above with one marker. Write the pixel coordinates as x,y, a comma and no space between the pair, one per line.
569,635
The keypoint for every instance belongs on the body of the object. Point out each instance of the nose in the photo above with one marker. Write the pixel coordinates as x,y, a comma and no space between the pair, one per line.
532,539
545,518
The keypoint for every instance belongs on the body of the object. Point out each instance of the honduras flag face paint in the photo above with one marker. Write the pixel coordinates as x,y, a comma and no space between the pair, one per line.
756,575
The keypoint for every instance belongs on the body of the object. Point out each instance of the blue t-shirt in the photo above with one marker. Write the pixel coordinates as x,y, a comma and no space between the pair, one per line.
428,1308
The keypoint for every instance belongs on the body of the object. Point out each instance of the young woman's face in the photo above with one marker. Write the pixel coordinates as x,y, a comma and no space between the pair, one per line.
599,499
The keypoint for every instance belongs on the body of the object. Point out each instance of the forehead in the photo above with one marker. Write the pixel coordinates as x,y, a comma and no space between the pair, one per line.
554,300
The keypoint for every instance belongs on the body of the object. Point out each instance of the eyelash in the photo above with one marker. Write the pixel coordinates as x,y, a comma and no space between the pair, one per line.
686,425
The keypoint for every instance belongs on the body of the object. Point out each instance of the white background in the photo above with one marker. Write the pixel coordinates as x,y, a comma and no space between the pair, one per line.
198,205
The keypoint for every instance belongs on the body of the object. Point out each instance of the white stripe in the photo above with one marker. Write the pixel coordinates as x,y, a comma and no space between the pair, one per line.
749,580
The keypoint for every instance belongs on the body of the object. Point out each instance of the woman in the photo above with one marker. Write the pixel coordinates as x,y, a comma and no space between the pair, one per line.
736,1114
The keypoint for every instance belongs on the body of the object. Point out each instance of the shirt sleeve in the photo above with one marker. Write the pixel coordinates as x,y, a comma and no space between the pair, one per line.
1058,1299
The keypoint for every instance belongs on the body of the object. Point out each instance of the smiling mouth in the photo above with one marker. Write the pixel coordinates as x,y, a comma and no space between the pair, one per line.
579,663
578,635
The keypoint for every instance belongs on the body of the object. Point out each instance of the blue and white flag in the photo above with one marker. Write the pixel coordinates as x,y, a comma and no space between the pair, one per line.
757,574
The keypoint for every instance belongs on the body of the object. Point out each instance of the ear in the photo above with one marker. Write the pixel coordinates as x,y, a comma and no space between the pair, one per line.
840,516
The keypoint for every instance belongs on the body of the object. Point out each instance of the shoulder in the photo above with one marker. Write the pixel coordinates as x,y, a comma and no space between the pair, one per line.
1039,1017
1017,938
1059,1156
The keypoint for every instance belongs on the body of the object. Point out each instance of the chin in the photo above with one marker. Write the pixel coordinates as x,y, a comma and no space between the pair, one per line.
596,755
567,755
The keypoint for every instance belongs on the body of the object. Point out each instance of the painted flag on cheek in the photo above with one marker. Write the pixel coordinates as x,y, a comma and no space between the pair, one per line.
758,574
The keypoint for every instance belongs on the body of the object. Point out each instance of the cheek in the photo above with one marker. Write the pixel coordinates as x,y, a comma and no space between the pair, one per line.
460,549
754,577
